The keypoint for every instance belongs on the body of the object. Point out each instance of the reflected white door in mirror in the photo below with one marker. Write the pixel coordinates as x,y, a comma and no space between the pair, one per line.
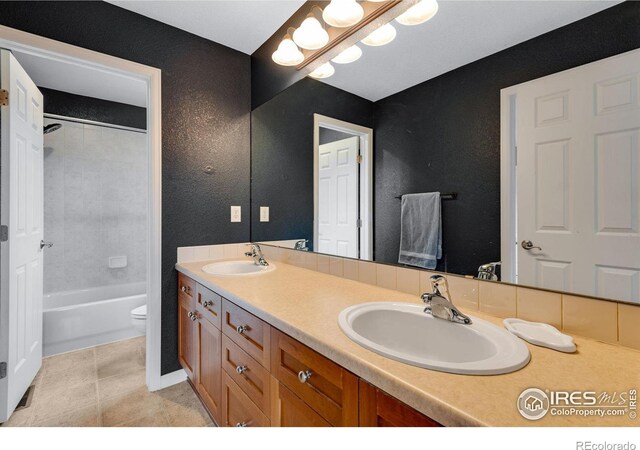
576,188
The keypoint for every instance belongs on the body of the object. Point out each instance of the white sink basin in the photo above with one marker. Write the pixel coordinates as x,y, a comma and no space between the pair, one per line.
404,332
236,268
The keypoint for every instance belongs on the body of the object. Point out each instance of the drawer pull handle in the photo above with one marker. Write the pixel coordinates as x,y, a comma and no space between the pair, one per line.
193,316
241,424
241,369
304,375
207,303
241,329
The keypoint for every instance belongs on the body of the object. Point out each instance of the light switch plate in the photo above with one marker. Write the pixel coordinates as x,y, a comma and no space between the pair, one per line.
236,214
264,214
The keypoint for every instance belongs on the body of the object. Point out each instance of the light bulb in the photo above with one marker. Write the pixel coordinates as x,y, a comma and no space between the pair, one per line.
323,71
349,55
343,13
383,35
288,53
419,13
311,35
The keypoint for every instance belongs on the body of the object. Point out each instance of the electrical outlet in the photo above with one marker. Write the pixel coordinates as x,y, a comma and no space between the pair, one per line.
236,214
264,214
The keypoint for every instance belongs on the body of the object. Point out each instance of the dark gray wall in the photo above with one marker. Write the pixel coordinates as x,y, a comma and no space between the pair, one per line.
205,121
444,134
89,108
282,155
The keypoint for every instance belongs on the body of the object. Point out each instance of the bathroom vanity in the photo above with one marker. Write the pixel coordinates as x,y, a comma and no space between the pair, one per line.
267,350
249,373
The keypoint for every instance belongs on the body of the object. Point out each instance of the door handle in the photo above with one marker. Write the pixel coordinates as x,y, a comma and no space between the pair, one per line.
528,245
44,244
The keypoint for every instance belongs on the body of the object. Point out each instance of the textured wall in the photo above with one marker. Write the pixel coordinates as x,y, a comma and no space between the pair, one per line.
205,121
444,134
95,206
282,155
79,106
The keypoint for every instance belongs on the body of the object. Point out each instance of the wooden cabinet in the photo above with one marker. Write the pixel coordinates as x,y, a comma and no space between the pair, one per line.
329,389
237,408
379,409
186,334
288,410
249,374
250,333
208,377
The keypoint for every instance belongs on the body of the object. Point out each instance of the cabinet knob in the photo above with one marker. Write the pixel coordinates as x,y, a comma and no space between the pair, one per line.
183,289
241,369
304,375
193,316
241,424
241,329
207,303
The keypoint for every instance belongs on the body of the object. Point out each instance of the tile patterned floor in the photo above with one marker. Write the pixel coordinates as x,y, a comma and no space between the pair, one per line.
105,386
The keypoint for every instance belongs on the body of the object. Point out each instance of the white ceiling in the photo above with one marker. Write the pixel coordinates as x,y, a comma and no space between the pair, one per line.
461,32
81,80
243,25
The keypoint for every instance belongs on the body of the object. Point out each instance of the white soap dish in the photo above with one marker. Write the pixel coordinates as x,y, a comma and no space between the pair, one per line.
540,334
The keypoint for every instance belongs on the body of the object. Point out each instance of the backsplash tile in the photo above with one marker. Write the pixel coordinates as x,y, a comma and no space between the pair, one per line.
350,269
596,319
367,272
540,306
464,292
324,264
386,276
497,299
629,325
408,280
335,266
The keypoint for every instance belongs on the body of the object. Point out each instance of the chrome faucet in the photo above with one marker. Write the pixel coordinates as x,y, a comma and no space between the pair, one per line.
301,245
489,271
439,302
256,254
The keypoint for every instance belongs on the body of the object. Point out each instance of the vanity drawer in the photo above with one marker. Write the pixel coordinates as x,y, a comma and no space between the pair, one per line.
209,304
290,411
327,388
250,333
186,285
248,374
237,408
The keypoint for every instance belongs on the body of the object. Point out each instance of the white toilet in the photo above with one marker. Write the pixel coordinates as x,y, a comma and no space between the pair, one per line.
139,318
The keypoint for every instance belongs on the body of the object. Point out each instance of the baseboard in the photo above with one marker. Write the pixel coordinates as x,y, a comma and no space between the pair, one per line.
169,380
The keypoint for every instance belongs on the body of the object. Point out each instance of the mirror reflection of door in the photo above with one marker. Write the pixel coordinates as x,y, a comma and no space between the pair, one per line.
342,188
577,180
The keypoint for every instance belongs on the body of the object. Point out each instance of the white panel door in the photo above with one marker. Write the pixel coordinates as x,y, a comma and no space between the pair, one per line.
22,212
338,198
578,186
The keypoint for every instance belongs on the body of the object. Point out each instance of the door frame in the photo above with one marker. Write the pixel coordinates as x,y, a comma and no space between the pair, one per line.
365,177
39,46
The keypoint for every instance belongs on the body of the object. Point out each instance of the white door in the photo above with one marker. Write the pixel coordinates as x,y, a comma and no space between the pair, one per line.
338,198
578,184
22,212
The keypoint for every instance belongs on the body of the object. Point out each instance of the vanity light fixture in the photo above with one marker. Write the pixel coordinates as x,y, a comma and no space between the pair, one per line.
383,35
311,35
419,13
323,71
288,53
343,13
349,55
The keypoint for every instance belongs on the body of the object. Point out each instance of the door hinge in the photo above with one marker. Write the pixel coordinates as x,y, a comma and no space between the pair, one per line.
4,97
359,223
3,370
4,233
359,159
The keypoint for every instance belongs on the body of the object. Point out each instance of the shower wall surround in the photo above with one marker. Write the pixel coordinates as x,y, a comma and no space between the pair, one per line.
95,198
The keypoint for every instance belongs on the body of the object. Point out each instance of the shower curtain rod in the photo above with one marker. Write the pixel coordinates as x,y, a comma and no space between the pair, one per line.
93,122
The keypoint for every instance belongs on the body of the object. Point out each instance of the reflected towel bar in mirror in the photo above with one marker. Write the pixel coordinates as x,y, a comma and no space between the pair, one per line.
448,196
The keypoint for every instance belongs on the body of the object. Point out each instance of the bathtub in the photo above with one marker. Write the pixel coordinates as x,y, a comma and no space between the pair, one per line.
83,318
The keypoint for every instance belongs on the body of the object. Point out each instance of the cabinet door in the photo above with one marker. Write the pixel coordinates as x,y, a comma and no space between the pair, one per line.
330,390
186,334
288,410
208,368
237,408
379,409
209,304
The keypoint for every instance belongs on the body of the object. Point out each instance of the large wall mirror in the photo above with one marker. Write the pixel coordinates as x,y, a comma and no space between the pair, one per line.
527,162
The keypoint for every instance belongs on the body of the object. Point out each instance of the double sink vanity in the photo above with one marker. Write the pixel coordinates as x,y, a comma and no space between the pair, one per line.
279,345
